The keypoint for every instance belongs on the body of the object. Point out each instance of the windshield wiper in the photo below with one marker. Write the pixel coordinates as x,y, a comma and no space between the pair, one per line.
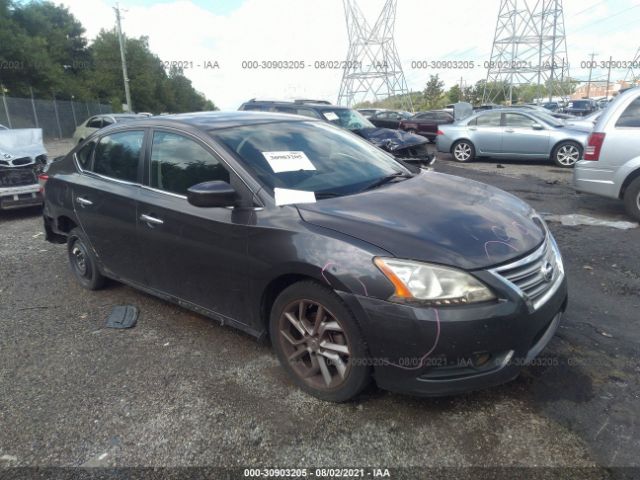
385,180
322,195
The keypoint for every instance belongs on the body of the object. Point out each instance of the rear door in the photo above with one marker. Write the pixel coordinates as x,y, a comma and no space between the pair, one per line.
105,200
428,124
486,132
196,254
521,139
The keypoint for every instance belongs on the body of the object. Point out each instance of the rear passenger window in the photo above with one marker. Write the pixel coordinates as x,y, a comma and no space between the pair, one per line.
178,163
94,123
489,120
631,116
117,155
84,155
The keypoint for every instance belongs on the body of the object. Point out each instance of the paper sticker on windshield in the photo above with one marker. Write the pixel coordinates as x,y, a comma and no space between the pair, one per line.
331,116
288,161
285,196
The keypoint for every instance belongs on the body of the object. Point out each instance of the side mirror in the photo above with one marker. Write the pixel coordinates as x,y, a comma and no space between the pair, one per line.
537,126
212,194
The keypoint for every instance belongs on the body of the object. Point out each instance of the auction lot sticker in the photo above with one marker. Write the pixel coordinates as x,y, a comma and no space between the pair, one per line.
288,161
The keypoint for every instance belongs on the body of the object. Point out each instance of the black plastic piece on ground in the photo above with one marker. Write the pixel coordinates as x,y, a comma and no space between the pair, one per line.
123,316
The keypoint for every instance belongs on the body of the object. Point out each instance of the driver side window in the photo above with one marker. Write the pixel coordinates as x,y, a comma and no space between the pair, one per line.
177,163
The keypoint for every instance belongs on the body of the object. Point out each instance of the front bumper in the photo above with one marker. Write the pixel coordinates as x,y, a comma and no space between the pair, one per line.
465,348
20,197
591,177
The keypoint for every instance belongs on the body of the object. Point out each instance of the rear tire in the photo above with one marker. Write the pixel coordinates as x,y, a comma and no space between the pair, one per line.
83,262
632,199
566,154
463,151
323,353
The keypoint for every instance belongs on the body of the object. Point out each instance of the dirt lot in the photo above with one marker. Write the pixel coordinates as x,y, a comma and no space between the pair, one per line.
180,390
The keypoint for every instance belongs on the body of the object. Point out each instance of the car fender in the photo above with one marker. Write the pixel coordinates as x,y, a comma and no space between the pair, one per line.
629,170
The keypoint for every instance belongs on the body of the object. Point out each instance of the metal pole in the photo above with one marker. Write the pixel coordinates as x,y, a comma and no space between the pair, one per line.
73,112
33,105
608,77
6,108
125,76
55,108
553,49
590,72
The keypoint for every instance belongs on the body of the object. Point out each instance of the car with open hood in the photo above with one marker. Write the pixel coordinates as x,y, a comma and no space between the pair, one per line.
403,145
22,158
358,267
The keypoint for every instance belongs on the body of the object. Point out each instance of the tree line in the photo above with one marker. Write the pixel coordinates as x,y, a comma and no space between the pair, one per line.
435,96
44,52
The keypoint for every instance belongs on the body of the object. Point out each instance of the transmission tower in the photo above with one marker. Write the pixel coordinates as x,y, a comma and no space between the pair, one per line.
373,70
529,48
633,74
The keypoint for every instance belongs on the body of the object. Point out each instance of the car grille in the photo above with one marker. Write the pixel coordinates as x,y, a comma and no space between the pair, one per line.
536,275
17,177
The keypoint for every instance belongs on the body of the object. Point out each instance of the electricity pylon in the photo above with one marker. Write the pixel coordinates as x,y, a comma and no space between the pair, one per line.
633,74
529,48
372,70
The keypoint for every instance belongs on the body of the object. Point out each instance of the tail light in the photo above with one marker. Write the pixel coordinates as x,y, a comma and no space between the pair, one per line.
439,132
42,180
594,146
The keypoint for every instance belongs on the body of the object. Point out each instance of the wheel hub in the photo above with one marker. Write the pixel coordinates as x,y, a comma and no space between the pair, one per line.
315,344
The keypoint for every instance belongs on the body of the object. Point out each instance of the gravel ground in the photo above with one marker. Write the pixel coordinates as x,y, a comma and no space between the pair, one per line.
180,390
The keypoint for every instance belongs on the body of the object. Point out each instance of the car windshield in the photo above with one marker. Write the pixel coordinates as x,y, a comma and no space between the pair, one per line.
346,118
309,156
548,119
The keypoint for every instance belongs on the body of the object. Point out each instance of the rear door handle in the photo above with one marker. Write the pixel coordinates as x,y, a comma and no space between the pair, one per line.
151,220
509,130
84,202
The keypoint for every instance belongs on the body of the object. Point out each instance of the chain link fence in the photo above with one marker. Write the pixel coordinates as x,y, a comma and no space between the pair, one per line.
56,118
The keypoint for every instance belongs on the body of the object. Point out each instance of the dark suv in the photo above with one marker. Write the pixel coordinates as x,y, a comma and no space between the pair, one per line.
581,108
402,145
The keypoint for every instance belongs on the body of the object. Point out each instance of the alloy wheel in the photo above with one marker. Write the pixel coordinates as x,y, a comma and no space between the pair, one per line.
315,344
462,152
568,155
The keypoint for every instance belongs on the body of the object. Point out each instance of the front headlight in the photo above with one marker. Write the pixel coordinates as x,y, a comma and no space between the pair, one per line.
432,284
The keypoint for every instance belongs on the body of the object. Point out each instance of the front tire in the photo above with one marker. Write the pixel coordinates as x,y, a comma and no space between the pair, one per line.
632,199
318,342
463,151
83,262
566,154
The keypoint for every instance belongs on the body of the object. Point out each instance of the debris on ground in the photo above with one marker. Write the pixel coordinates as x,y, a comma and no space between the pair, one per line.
122,316
574,219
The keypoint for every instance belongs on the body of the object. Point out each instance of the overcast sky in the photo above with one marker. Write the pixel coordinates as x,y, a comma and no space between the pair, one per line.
233,31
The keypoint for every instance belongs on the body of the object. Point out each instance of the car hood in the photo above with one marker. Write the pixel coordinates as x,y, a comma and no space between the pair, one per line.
437,218
391,140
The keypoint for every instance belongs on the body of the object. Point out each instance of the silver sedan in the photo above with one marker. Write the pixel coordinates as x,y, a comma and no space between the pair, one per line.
513,134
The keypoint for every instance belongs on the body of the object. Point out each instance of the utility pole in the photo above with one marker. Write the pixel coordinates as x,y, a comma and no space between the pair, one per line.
590,72
608,77
125,76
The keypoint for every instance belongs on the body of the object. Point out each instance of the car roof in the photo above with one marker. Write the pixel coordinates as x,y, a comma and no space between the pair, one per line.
308,104
208,121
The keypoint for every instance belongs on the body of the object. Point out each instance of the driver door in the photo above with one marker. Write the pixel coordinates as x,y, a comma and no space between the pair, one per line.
193,253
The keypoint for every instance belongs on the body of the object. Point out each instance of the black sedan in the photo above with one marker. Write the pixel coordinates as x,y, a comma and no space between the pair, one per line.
389,119
356,266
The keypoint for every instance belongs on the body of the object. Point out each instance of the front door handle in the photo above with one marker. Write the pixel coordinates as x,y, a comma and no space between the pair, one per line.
151,220
473,129
84,202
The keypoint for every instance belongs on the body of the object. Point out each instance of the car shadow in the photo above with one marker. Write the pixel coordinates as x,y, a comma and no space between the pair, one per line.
20,213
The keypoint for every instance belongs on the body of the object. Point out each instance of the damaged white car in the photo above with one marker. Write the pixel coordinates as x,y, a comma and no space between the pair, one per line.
22,158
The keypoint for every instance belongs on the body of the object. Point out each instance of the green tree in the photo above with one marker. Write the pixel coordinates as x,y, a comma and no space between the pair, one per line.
454,95
433,92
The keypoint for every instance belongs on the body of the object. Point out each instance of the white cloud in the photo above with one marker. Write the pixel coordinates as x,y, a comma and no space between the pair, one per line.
308,30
